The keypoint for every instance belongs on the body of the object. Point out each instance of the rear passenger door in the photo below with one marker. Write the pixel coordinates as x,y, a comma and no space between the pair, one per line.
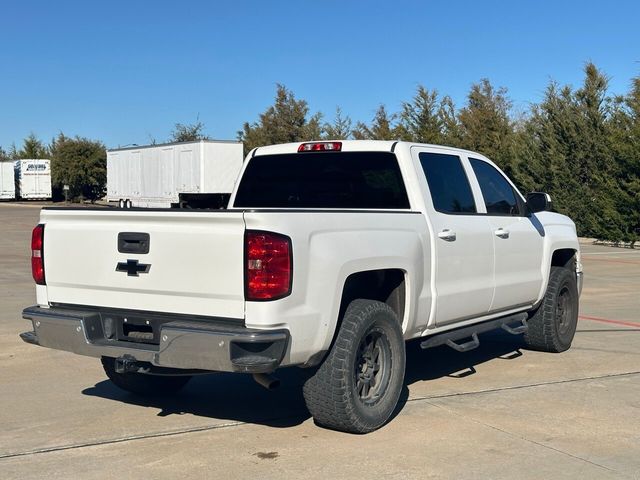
517,239
462,239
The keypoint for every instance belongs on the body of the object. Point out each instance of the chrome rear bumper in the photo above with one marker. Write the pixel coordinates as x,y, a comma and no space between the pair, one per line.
204,345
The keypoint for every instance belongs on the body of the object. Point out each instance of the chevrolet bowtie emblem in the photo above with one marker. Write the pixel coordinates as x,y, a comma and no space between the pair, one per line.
132,267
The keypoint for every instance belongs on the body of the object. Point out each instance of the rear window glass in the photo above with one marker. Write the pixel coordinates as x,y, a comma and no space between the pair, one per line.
449,186
323,180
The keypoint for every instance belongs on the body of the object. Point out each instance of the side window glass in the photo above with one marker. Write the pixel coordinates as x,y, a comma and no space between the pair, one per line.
448,183
499,196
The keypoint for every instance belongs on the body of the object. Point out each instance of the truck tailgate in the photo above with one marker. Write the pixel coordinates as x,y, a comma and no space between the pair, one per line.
195,260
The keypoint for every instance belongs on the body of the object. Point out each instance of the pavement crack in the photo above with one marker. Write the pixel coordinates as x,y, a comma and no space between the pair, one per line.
129,438
525,439
519,387
185,431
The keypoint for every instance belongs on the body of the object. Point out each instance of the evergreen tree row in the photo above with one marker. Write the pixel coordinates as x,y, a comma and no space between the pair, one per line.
582,146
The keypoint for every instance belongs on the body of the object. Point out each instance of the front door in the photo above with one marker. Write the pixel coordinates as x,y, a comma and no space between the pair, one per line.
518,239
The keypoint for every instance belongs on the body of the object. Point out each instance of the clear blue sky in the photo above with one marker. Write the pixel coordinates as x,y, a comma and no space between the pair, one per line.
126,71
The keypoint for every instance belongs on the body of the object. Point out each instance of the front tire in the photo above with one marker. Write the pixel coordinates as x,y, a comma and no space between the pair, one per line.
553,325
357,387
144,384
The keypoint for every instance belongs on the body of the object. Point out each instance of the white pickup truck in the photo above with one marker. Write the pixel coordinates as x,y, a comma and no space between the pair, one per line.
330,256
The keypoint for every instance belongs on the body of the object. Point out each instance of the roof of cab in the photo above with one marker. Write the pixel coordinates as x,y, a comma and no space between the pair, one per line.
350,146
347,146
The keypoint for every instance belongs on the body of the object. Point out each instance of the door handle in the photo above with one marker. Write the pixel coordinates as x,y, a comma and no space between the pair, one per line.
447,235
502,233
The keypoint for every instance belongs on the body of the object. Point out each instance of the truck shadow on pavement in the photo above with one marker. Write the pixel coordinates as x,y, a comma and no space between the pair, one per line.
226,397
237,398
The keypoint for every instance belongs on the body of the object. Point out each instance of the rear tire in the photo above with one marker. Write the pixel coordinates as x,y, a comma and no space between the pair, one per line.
143,384
553,325
357,387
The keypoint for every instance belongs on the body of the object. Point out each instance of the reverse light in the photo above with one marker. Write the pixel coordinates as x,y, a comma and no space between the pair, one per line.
320,147
268,268
37,254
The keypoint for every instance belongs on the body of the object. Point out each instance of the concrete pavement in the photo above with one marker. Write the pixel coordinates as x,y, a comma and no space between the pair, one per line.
498,412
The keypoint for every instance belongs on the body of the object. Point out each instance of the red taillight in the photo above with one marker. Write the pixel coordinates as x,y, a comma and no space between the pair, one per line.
320,147
37,254
268,265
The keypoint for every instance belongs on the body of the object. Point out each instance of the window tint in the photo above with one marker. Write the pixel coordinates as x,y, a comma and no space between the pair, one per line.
449,186
499,197
323,180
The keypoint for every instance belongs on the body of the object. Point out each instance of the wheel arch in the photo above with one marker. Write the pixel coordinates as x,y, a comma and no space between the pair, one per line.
563,257
386,285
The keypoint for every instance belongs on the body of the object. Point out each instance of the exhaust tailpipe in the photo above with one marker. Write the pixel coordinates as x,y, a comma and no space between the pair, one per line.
266,380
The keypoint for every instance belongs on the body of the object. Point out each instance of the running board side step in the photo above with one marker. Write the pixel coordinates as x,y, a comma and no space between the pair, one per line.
451,337
463,347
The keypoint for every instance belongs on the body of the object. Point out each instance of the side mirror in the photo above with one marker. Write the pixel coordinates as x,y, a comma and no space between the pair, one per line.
538,202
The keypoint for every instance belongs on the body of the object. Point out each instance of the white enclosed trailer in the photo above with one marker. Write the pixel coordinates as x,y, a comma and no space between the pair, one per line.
33,179
161,176
7,181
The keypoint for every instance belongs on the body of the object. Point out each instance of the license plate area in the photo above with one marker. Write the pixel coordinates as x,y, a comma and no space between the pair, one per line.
135,329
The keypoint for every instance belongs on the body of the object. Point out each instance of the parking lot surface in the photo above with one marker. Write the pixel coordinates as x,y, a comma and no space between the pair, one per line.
500,411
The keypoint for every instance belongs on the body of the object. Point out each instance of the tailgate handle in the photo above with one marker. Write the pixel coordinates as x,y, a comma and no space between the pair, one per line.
133,242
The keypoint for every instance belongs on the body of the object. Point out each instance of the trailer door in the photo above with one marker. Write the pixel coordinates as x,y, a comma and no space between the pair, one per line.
187,170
